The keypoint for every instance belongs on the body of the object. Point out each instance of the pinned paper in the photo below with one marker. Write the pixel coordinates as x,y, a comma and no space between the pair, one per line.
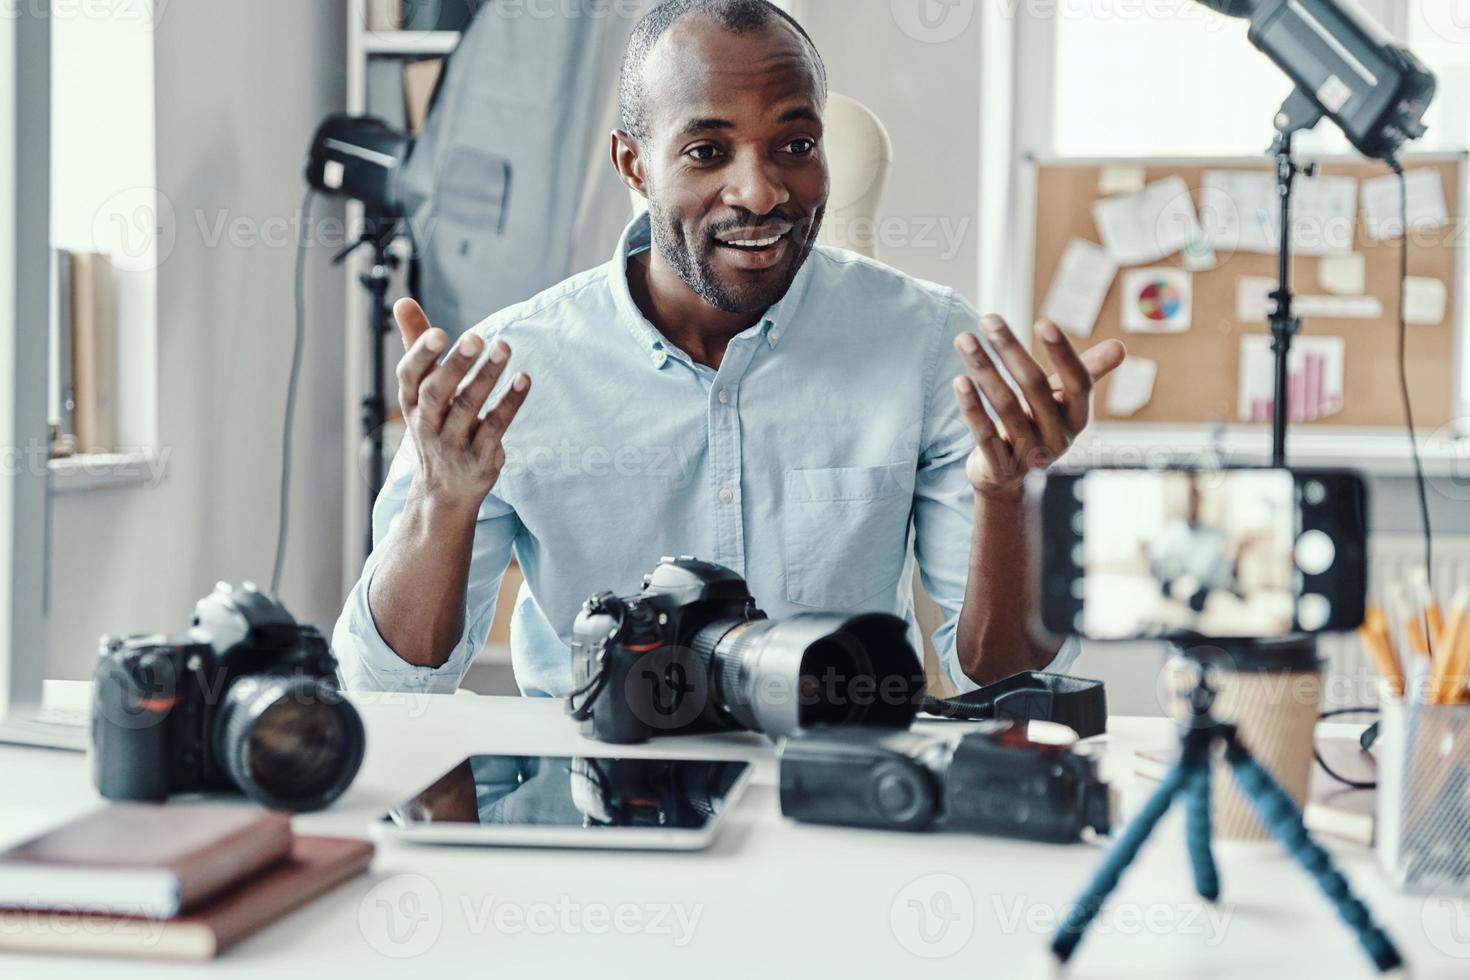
1157,300
1148,225
1424,300
1314,378
1079,287
1324,214
1119,179
1240,211
1253,303
1342,274
1426,206
1131,386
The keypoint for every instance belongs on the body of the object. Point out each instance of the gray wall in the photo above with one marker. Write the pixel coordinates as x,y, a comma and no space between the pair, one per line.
240,87
928,96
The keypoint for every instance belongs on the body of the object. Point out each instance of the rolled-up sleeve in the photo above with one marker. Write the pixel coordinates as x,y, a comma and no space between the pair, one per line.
944,502
365,661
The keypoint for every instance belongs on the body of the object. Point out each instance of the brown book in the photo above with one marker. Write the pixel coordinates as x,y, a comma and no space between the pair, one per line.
419,81
143,859
316,865
93,351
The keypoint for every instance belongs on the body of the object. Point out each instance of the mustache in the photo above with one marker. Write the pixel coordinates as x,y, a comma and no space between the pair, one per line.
750,220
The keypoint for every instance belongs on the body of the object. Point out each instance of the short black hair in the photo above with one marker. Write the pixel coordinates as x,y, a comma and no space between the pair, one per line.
740,16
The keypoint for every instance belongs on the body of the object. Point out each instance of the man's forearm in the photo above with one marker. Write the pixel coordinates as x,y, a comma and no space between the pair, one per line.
993,639
417,595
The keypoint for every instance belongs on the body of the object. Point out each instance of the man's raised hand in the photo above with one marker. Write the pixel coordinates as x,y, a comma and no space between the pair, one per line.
460,454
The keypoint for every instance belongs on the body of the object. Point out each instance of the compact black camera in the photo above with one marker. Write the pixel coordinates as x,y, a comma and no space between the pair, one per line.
246,701
692,653
991,781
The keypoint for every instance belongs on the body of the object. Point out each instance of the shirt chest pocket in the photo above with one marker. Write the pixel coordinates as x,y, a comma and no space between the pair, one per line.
845,533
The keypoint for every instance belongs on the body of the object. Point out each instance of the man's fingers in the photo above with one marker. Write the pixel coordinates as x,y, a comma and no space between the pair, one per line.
417,362
1097,363
464,409
1104,359
436,393
412,321
981,427
1041,406
1014,421
504,412
1072,382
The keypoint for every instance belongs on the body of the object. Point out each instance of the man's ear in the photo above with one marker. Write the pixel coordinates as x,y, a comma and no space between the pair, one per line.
627,160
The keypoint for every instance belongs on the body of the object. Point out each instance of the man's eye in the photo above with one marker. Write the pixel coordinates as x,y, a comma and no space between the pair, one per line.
703,153
802,147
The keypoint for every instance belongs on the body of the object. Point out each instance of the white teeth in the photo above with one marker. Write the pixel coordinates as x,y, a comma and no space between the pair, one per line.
760,243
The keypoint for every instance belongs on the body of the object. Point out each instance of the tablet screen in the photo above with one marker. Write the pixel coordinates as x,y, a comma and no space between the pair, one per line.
582,792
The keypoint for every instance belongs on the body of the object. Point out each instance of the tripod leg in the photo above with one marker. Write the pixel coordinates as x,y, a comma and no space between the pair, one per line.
1197,835
1279,813
1110,872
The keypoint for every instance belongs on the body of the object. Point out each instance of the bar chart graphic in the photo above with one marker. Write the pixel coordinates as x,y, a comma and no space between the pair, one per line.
1314,378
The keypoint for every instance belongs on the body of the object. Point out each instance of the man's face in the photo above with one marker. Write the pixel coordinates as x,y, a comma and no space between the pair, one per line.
734,169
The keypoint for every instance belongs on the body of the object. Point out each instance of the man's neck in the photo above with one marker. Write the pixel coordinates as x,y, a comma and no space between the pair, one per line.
680,314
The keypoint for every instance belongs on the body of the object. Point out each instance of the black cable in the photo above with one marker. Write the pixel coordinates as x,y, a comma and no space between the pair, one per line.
1404,372
283,519
1350,783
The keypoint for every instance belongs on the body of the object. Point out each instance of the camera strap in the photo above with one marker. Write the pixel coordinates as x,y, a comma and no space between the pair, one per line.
1032,695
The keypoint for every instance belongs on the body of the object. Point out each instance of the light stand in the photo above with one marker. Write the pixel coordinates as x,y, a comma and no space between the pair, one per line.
379,233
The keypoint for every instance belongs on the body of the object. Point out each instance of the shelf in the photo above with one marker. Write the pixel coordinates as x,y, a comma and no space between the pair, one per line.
105,471
409,43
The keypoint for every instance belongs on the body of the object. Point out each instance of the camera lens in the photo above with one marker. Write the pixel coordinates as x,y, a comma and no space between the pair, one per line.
779,676
291,743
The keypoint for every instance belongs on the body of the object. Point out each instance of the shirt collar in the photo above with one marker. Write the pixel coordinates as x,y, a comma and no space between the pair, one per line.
776,323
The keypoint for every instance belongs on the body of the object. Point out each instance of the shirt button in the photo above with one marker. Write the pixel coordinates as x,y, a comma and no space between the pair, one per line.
775,334
659,359
724,396
726,496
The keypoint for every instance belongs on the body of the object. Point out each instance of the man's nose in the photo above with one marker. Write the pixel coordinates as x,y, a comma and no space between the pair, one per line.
755,185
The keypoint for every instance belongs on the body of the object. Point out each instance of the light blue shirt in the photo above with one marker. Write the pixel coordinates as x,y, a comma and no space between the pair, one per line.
823,457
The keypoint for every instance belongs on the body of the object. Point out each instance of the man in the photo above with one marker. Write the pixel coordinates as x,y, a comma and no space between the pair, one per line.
723,388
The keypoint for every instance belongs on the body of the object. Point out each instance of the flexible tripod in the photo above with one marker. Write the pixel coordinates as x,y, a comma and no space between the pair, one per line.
1189,777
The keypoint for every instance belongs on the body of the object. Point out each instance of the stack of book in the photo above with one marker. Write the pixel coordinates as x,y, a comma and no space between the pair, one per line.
174,882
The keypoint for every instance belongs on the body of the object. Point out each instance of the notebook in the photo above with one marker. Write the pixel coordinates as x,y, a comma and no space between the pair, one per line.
143,859
314,866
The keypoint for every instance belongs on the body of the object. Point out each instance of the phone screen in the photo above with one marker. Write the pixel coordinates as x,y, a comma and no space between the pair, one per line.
1211,552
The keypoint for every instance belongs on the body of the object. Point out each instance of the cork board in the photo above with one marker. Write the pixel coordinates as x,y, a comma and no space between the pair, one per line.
1197,378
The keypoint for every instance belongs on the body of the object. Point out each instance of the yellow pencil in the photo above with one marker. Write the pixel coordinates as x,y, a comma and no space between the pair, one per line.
1433,619
1374,635
1447,678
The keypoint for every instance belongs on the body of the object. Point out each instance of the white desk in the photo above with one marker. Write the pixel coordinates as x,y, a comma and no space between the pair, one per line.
771,899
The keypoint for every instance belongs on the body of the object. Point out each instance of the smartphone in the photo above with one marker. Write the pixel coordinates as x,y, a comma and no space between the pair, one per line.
1221,554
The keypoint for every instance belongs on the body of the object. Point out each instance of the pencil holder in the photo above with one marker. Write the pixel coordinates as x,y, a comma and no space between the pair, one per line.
1423,837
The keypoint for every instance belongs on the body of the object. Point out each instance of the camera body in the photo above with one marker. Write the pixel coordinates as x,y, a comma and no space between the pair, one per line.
183,714
990,781
691,652
653,681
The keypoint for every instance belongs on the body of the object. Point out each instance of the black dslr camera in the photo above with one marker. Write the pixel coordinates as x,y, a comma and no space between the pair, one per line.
991,781
246,701
692,653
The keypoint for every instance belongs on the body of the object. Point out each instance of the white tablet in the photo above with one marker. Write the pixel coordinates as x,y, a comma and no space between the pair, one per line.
587,801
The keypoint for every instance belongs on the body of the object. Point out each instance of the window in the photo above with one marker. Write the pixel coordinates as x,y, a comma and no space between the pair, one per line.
102,109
